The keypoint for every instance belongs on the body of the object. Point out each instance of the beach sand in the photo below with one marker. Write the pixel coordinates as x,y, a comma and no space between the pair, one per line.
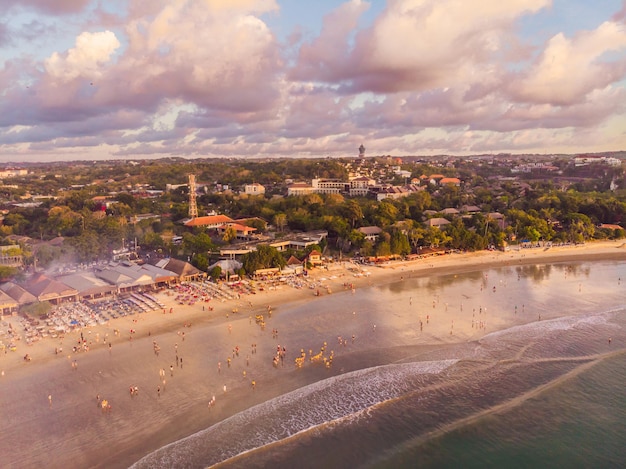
50,409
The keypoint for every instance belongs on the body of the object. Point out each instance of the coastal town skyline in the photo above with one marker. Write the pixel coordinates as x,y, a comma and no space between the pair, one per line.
82,80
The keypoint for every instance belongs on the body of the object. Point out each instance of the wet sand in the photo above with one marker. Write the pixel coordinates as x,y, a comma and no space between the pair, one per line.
72,431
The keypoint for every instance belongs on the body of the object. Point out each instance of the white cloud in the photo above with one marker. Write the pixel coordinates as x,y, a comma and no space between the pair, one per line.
88,58
200,77
413,45
570,69
205,52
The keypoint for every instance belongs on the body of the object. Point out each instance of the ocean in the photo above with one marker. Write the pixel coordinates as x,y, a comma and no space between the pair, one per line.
508,367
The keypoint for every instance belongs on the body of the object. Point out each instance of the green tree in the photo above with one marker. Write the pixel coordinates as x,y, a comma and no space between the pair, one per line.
383,245
264,257
280,221
230,234
387,213
200,243
415,235
579,227
200,261
88,247
435,237
16,222
257,223
7,273
216,272
353,212
399,243
153,241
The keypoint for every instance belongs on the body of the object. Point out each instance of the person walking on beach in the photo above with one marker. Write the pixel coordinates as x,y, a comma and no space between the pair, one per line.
158,391
49,400
171,370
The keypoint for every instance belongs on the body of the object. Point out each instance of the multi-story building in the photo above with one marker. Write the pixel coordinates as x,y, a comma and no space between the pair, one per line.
330,186
360,186
300,188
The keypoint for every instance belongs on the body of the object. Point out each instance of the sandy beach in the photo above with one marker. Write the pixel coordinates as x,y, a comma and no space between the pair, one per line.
213,362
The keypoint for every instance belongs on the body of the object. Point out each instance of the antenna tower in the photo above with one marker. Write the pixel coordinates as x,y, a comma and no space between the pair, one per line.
193,207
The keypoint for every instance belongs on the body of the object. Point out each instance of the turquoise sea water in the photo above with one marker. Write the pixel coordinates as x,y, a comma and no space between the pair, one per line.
546,392
579,423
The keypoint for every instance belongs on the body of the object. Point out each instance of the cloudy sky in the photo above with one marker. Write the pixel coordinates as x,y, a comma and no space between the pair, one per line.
133,79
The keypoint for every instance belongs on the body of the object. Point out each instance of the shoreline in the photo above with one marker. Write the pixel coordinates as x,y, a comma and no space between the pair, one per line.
138,426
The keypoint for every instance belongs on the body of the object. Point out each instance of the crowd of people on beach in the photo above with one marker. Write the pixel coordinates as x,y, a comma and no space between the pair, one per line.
243,363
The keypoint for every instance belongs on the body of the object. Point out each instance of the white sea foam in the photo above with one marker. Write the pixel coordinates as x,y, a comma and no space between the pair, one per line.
550,325
329,400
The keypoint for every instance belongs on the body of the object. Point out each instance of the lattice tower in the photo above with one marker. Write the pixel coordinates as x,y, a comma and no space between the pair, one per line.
193,207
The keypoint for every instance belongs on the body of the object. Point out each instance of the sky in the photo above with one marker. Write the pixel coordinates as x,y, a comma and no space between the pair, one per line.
137,79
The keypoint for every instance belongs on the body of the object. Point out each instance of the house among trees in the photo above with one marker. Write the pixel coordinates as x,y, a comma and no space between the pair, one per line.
470,209
254,189
210,221
371,232
437,222
450,211
453,181
241,232
314,258
498,218
435,178
294,266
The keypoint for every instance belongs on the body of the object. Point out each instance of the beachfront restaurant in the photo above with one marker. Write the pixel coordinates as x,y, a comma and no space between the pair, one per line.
184,270
8,305
129,277
89,286
45,288
18,293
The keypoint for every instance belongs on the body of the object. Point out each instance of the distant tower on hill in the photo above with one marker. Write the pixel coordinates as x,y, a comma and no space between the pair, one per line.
193,207
361,151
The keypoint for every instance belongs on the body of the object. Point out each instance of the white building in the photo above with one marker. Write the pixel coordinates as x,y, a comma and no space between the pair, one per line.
299,188
329,186
360,186
254,189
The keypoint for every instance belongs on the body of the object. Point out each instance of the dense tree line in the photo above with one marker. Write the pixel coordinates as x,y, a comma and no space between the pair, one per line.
538,211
